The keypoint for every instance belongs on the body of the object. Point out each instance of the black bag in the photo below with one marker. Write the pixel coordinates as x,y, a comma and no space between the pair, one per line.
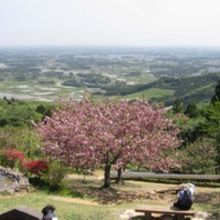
185,202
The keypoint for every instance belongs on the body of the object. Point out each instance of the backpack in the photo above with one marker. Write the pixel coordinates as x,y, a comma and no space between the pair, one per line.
185,202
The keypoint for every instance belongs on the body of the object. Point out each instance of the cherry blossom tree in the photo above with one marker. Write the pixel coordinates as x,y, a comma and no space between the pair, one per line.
90,134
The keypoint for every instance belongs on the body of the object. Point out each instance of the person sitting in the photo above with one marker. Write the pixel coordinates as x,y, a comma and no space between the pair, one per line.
185,197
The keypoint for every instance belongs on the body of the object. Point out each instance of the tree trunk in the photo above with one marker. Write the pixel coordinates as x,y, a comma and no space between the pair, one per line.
119,176
84,177
107,180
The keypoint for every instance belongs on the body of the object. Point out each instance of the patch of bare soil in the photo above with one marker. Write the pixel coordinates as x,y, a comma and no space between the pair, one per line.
114,196
74,200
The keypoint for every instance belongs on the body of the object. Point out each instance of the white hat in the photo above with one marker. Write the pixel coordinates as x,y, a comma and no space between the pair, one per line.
191,187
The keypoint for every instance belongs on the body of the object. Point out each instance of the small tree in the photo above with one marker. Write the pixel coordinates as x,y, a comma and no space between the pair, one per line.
106,134
55,174
177,106
212,126
216,96
199,157
192,111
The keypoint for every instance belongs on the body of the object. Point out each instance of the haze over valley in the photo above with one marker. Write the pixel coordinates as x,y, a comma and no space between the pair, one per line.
49,73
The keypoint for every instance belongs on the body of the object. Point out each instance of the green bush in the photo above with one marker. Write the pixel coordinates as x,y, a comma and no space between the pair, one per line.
56,173
199,157
192,110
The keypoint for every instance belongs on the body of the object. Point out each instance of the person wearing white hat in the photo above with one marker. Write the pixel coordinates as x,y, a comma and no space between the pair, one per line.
185,197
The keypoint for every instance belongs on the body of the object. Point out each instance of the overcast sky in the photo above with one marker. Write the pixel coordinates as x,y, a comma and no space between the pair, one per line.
110,22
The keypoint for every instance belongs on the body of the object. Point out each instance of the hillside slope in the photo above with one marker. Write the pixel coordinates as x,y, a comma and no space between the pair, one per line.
191,89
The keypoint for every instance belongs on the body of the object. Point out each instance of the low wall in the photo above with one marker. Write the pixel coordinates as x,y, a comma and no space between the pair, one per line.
131,175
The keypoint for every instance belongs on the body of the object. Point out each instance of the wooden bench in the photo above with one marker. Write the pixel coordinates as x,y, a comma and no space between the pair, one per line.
177,214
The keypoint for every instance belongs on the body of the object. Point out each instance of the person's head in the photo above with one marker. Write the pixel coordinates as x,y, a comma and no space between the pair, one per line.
189,186
48,213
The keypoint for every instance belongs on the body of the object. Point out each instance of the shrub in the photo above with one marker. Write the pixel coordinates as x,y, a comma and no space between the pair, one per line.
37,167
192,110
13,154
45,110
56,173
12,157
199,157
178,106
41,109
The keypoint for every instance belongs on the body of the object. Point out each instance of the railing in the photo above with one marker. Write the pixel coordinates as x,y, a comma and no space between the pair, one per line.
131,175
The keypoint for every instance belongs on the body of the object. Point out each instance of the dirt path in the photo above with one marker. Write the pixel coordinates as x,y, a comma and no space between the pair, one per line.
74,200
97,175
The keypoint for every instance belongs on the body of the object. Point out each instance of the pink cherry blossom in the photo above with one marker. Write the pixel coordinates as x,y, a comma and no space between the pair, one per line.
105,134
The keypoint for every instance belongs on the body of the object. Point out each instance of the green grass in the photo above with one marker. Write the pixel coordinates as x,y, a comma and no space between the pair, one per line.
143,78
69,208
64,210
67,211
145,94
198,90
151,93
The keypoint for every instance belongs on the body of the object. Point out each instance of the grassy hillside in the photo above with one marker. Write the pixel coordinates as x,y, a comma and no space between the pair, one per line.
191,89
151,93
